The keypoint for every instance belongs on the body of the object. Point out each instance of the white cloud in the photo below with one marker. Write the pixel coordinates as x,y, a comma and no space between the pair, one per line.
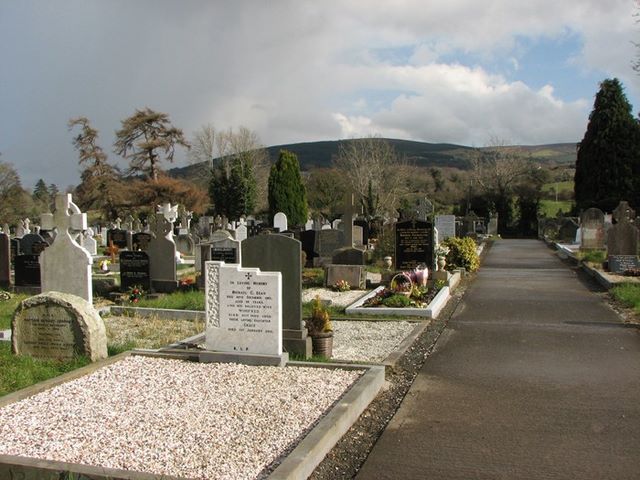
291,70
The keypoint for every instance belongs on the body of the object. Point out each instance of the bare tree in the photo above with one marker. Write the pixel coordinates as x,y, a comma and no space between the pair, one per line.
375,172
499,167
144,137
203,145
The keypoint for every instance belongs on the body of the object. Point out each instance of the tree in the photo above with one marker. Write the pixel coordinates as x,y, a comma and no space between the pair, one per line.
234,188
145,138
40,192
325,192
607,163
287,193
204,146
496,172
15,202
100,187
371,166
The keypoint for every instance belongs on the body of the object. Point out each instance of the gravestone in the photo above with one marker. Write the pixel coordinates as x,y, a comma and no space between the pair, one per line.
622,241
364,225
414,245
446,225
5,261
493,225
349,210
592,224
241,231
308,241
469,223
32,244
327,242
162,257
357,236
27,272
184,244
134,270
89,243
118,237
354,275
65,265
243,308
140,240
58,326
348,256
221,247
277,253
280,222
15,248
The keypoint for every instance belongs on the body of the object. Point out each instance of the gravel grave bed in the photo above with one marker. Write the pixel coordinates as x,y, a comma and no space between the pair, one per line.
172,417
368,341
340,299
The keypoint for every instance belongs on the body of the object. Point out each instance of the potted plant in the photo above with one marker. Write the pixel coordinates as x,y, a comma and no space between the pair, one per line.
320,329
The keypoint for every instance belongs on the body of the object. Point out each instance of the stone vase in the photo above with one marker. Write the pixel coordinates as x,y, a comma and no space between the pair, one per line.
442,262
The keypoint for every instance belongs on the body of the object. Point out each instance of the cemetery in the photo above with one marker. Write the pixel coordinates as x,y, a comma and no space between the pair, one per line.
230,303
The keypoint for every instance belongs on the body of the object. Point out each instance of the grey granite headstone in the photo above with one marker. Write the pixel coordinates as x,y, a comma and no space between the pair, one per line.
58,326
162,257
348,256
327,242
355,275
446,225
622,240
277,253
592,224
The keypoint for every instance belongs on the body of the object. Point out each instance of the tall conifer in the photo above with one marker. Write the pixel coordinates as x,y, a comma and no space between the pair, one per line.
287,193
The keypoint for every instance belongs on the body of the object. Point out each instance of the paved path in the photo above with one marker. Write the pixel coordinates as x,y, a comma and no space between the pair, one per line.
533,378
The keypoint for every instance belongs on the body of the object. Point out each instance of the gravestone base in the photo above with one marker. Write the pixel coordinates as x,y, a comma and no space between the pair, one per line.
29,290
164,286
245,358
354,275
298,342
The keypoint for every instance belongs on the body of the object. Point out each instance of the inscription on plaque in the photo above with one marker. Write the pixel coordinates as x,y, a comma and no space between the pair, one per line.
414,244
243,309
48,333
622,263
227,255
134,270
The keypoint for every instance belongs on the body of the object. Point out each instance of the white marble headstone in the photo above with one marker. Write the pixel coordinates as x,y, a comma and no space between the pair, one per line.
243,309
446,225
280,222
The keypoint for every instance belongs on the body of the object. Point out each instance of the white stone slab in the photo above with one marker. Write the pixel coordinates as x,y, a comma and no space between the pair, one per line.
446,225
280,222
243,309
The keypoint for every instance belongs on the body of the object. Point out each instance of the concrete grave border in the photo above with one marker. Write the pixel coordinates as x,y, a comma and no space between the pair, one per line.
299,463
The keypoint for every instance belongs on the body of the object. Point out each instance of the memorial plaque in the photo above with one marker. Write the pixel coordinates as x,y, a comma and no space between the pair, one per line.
118,237
27,271
414,244
243,309
622,263
140,240
227,255
58,326
134,270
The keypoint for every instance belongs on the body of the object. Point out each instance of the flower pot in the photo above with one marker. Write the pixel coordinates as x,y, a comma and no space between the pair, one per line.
322,344
442,262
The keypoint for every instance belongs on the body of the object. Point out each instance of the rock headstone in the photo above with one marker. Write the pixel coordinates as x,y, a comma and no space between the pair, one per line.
134,270
348,256
592,224
162,257
355,275
280,222
446,225
89,243
277,253
58,326
243,308
65,265
414,245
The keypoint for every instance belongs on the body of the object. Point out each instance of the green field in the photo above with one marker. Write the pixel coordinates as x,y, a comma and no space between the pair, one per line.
549,208
558,186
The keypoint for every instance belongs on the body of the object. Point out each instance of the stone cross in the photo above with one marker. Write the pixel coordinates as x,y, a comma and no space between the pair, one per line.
26,222
169,212
66,266
624,213
117,223
348,211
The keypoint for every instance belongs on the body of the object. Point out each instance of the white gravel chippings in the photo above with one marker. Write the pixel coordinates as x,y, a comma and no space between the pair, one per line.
173,417
368,341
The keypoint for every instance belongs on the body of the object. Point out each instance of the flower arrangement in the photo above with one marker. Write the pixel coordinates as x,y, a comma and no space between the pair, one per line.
442,250
341,286
319,322
135,293
104,265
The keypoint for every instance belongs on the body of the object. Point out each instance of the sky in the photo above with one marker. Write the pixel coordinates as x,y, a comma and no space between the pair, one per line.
455,71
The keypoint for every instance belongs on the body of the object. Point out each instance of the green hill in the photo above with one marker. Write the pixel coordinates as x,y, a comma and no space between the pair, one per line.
421,154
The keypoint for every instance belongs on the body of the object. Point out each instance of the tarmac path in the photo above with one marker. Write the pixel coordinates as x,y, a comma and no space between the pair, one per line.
535,377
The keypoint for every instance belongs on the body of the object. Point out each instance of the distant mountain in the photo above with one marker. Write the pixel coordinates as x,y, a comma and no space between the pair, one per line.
421,154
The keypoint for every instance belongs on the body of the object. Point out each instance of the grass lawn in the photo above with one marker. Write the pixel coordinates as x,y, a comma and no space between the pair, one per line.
550,208
628,294
8,307
193,300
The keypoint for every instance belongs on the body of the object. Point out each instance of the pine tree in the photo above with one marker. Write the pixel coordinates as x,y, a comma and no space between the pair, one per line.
40,192
287,193
232,188
607,164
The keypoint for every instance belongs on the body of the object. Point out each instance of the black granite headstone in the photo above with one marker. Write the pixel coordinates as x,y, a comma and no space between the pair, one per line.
140,240
414,244
27,271
118,237
134,270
